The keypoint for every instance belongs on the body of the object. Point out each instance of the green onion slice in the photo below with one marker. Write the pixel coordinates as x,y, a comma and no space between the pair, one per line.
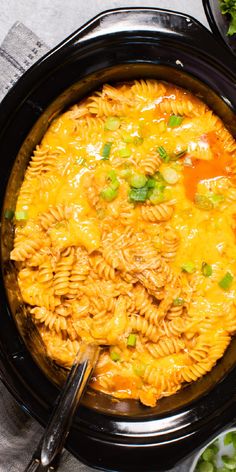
112,123
156,196
208,455
205,467
138,180
21,215
163,154
138,194
228,439
106,150
230,462
215,198
131,341
175,121
178,301
125,152
206,269
179,154
188,267
114,356
9,214
112,178
226,282
109,193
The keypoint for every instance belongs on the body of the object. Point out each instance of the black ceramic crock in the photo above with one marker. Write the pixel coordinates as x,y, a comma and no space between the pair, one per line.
116,45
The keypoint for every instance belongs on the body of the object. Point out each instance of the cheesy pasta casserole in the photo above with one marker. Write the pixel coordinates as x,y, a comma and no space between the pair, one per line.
125,236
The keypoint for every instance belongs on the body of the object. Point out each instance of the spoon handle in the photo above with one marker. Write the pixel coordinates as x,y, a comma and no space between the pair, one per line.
57,429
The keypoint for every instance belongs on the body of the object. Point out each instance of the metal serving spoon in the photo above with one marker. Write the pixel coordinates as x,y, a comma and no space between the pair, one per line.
47,455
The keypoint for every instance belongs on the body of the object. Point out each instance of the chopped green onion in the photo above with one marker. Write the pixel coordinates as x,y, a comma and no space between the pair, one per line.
109,194
138,194
174,121
215,198
203,202
208,455
170,175
206,269
229,462
21,215
151,183
228,439
205,467
125,152
125,174
226,282
156,196
131,341
106,150
114,356
178,302
188,267
112,178
126,137
163,154
223,469
234,439
138,180
112,123
179,154
9,214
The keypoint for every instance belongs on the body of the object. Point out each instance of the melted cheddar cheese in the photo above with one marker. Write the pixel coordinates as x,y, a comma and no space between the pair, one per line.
125,237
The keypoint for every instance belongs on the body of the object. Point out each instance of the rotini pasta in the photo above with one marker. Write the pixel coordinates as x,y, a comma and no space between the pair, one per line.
125,236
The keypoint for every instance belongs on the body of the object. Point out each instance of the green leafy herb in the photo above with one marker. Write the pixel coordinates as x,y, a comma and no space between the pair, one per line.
178,301
21,215
138,194
226,282
163,154
131,341
9,214
228,7
112,123
114,356
188,267
106,150
206,269
174,121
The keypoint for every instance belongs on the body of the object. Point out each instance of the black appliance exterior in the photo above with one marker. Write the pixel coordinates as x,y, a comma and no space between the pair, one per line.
116,45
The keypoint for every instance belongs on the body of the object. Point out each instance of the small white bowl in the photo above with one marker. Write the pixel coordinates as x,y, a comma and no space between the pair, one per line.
222,449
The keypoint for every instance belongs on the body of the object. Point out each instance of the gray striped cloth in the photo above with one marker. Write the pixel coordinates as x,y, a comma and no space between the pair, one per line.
19,433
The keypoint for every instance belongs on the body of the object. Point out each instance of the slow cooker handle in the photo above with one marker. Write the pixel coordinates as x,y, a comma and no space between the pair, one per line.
151,20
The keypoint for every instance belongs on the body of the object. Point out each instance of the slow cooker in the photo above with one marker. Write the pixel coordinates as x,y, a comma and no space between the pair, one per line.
117,45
